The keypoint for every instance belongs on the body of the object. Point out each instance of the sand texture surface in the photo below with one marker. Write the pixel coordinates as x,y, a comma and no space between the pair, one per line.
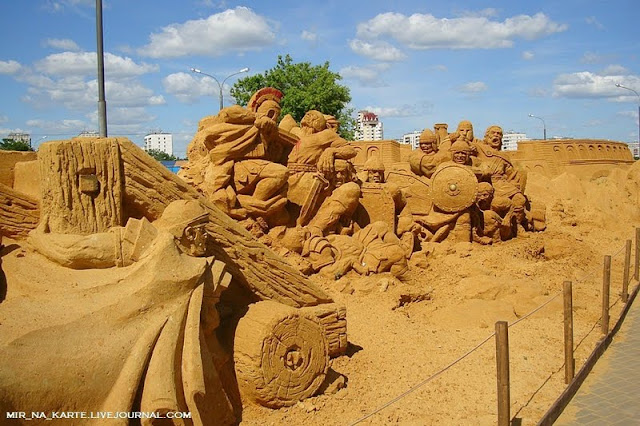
405,337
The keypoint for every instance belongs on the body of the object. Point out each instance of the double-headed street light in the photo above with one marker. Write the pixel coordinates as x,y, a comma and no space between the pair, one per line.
638,95
197,71
544,125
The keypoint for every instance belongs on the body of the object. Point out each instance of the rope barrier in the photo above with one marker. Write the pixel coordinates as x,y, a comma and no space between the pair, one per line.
593,327
430,378
478,346
424,382
535,310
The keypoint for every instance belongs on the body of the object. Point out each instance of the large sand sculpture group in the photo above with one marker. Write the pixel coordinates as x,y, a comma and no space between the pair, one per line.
129,289
296,183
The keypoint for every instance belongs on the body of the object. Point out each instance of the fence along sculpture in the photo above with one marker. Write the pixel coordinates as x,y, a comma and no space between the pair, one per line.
130,270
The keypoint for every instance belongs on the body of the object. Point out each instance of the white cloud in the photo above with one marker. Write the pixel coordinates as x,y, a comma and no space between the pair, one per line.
377,50
85,64
586,84
592,58
614,70
77,6
402,111
9,67
633,114
125,116
425,31
309,36
474,87
187,88
440,67
78,94
527,55
4,119
538,92
487,13
367,76
65,127
213,4
591,20
5,131
62,44
234,30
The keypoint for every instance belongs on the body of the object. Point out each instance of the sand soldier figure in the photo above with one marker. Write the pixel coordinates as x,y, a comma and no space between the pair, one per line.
509,200
237,158
423,161
464,131
453,192
487,224
335,213
384,201
311,165
461,153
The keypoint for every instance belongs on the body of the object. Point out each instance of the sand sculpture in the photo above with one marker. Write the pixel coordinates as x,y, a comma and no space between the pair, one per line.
127,290
178,306
326,215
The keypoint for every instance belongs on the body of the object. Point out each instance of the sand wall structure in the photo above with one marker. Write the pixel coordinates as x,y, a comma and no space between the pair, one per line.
582,157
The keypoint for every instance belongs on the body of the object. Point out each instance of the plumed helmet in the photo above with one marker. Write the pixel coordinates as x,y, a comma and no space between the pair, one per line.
264,94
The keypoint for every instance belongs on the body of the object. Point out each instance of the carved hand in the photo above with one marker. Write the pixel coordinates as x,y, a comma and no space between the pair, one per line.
326,161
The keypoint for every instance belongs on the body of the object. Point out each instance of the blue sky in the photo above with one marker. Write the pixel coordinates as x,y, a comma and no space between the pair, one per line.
414,63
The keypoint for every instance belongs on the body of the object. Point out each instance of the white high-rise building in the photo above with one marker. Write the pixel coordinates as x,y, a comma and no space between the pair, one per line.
160,141
20,137
510,140
635,149
412,139
368,127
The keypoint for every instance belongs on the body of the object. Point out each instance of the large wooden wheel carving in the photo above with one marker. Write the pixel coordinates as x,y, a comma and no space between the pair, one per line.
281,354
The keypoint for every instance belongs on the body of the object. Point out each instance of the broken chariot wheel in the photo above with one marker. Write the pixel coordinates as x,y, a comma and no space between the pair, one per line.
281,354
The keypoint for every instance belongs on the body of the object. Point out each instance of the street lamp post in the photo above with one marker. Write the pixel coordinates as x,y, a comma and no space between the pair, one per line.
638,95
39,140
220,86
544,126
102,103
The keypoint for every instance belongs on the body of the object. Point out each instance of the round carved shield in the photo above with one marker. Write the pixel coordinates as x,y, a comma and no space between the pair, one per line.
453,188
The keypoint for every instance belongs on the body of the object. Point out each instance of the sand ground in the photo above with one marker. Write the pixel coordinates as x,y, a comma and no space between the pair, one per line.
404,334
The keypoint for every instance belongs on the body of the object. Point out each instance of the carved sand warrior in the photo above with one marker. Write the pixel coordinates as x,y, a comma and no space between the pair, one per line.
508,182
237,158
162,260
311,164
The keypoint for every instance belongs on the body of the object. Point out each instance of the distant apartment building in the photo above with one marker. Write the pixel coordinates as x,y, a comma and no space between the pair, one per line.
368,127
89,134
20,137
510,140
159,141
412,139
635,149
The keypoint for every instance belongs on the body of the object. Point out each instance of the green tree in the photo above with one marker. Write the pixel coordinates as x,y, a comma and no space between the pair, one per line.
161,155
305,87
13,145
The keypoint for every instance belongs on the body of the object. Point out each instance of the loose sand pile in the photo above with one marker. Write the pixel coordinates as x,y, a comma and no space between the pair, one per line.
402,333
